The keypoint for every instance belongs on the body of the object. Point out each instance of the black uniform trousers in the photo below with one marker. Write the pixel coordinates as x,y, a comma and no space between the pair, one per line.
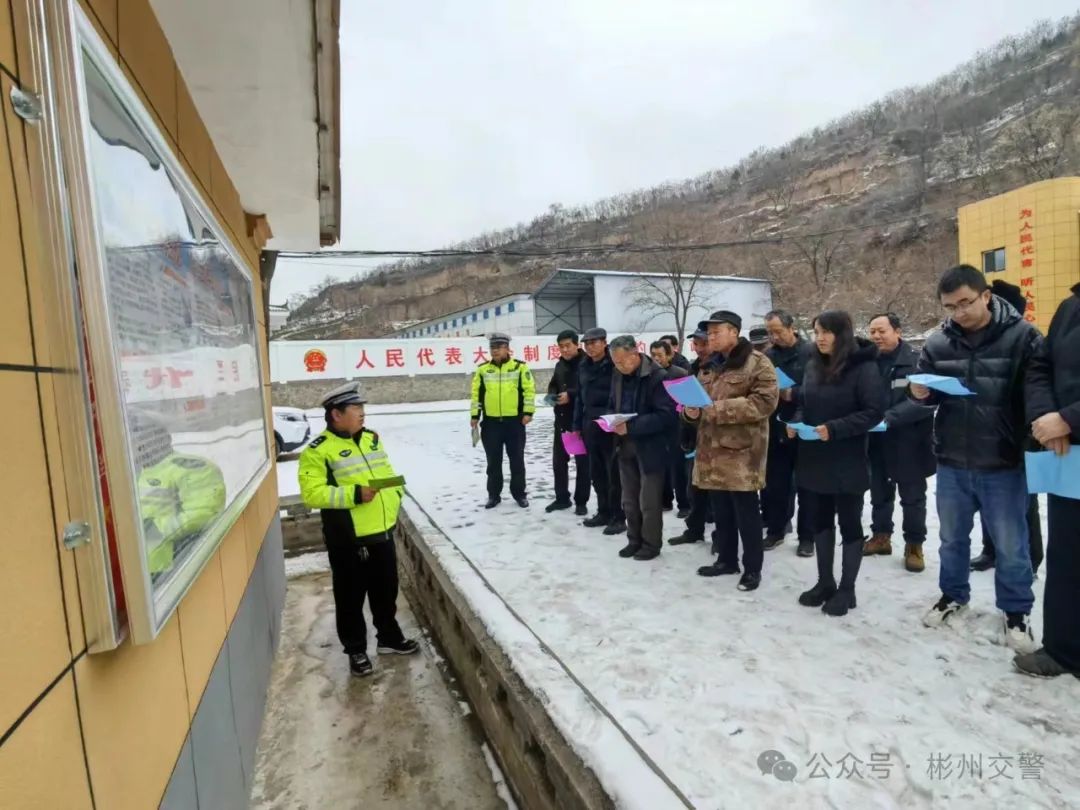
778,497
676,484
826,510
359,571
1061,600
738,514
560,463
604,470
498,433
883,501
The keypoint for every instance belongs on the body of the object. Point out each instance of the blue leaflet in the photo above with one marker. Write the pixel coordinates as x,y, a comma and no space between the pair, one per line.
880,427
808,433
1058,475
946,385
688,392
783,380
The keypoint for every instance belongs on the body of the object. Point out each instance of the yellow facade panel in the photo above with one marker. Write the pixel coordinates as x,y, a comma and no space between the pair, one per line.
146,51
68,573
106,13
41,764
193,138
202,629
135,717
15,342
32,622
234,566
7,40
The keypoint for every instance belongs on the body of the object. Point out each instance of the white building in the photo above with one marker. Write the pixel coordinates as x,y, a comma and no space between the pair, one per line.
621,302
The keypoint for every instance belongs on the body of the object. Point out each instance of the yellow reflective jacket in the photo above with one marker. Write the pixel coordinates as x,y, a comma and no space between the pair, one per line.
506,390
178,497
331,468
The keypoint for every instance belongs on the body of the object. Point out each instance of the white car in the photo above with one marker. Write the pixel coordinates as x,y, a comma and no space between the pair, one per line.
291,429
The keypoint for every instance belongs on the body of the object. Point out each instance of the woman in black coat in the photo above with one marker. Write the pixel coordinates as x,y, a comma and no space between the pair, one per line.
842,398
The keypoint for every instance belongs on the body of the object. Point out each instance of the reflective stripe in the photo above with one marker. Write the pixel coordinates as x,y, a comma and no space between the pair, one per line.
358,459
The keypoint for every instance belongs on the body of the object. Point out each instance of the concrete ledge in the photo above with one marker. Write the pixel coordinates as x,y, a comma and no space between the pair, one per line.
301,528
515,708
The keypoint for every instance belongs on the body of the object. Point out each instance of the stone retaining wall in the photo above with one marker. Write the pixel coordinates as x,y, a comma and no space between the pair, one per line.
388,390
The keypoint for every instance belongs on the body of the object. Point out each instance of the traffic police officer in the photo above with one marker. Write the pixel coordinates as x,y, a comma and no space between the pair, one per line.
338,471
179,495
504,393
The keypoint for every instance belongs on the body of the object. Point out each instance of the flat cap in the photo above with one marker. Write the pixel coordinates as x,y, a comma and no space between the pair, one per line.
596,333
722,316
347,394
498,339
759,334
700,334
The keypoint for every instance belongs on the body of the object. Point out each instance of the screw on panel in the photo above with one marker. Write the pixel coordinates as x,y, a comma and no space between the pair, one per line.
26,105
76,534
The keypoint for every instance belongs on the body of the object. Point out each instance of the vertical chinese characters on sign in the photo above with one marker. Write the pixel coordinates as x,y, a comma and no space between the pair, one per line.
1027,262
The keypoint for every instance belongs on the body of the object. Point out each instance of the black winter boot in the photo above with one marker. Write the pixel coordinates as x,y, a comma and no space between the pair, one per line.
825,543
843,600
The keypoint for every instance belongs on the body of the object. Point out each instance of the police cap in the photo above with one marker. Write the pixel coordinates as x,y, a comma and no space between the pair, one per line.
347,394
498,339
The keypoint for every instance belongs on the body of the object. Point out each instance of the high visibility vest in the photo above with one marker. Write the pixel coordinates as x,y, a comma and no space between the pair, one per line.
506,390
178,497
331,468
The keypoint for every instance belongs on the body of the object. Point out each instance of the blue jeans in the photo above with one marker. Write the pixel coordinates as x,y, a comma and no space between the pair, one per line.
1001,497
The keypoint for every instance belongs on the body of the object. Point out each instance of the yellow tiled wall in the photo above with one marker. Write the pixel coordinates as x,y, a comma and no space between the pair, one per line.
1050,213
112,724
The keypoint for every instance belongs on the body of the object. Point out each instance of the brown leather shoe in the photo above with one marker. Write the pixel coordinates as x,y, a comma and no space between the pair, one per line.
878,544
913,558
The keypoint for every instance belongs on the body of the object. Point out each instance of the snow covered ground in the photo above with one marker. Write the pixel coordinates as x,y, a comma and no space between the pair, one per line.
870,710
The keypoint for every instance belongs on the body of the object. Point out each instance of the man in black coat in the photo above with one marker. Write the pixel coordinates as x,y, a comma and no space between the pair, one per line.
677,357
903,456
1053,405
637,387
564,389
979,444
676,485
789,353
594,391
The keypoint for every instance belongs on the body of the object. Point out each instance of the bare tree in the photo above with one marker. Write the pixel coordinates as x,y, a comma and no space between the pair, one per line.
779,177
1043,142
674,289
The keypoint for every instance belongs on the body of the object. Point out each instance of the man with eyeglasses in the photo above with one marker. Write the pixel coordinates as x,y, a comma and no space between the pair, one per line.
979,444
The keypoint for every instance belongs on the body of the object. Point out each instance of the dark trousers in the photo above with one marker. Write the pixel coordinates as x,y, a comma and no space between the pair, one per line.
883,502
604,470
1035,534
828,510
778,497
560,463
642,499
738,514
699,505
676,484
364,571
509,433
1061,600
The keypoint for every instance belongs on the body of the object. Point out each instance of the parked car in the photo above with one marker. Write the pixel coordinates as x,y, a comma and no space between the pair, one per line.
291,429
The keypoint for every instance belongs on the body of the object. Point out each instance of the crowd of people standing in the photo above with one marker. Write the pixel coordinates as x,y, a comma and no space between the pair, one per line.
766,458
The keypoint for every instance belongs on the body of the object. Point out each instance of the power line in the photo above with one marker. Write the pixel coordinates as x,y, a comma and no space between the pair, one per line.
625,247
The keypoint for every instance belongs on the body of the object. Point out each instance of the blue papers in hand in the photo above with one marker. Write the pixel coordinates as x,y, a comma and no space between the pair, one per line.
946,385
1058,475
880,427
808,433
687,391
783,380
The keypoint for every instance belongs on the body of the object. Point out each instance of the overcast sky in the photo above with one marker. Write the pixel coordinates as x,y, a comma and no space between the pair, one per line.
473,115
